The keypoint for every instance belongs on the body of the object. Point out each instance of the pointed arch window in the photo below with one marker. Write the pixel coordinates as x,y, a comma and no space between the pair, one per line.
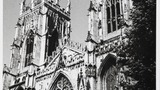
118,14
113,12
62,83
29,48
108,20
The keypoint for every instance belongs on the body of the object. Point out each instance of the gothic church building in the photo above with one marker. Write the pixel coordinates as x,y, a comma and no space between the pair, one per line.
45,58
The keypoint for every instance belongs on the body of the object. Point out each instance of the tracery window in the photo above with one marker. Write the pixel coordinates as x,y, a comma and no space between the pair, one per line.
29,48
113,15
62,84
108,19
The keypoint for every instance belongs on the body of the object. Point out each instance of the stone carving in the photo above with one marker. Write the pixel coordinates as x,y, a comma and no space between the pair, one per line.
74,60
76,46
91,70
80,81
111,46
46,71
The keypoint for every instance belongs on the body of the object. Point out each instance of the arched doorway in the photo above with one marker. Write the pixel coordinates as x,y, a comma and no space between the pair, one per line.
109,79
61,83
108,73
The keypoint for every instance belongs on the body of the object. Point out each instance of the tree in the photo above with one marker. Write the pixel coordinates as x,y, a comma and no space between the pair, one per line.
141,47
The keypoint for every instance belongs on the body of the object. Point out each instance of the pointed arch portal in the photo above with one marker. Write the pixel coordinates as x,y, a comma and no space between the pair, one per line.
108,72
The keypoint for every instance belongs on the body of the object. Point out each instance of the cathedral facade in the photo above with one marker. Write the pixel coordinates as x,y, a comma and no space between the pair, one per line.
45,58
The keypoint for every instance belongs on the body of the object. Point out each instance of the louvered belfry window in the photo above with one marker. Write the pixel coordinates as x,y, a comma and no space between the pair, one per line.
29,48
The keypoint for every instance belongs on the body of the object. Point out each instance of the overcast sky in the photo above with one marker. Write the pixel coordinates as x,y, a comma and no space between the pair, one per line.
11,8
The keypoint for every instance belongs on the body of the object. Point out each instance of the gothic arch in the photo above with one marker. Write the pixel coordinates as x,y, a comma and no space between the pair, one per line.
61,81
109,59
29,47
107,73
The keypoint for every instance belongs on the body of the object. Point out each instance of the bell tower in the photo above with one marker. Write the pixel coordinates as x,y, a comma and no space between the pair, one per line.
42,29
58,28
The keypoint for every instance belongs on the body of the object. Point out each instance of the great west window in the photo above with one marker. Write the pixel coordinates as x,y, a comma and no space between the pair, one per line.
113,15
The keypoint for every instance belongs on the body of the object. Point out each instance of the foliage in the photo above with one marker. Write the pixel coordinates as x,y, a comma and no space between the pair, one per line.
141,48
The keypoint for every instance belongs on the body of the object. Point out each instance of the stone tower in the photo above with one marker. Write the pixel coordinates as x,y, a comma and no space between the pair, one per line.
42,29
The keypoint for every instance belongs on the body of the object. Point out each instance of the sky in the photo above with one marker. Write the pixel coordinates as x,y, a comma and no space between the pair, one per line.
11,8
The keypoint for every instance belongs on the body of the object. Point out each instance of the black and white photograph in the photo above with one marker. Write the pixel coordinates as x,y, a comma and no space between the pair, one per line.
79,45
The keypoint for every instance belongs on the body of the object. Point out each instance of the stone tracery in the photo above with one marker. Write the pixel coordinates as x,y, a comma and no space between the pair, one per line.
62,84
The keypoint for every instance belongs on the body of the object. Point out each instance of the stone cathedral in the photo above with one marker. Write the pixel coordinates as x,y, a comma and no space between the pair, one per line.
45,58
